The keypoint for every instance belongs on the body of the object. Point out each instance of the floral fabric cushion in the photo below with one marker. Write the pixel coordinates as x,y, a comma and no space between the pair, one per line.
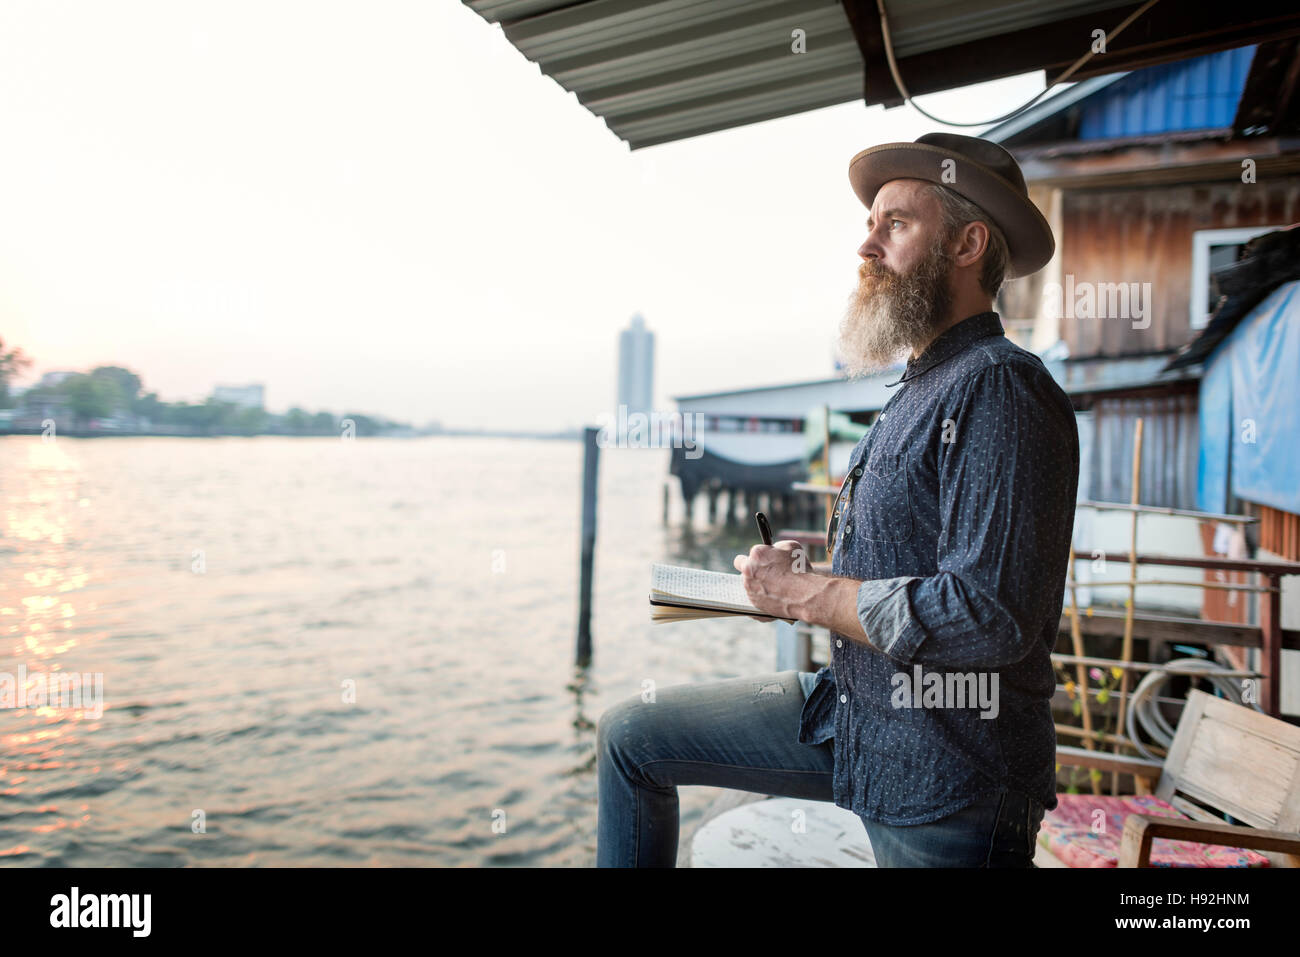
1084,831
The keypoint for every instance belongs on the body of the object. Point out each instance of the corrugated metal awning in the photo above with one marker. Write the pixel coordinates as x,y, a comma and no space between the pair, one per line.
663,70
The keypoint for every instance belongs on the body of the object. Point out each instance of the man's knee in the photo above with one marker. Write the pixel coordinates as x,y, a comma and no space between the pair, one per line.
621,724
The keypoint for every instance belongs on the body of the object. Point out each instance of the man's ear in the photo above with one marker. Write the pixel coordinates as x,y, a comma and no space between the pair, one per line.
972,241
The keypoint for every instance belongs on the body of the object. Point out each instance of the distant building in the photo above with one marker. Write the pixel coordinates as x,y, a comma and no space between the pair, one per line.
244,396
636,366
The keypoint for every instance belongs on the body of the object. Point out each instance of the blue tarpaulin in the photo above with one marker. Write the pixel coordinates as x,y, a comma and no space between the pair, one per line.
1250,409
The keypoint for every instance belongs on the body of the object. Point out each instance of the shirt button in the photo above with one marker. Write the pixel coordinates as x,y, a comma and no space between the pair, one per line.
848,530
843,698
839,643
857,472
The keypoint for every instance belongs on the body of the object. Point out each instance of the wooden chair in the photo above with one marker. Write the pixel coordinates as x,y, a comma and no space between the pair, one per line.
1224,756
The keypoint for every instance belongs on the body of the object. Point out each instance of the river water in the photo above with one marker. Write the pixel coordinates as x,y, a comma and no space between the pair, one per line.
327,652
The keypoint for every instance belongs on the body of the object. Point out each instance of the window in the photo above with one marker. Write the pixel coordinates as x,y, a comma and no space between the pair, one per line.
1213,249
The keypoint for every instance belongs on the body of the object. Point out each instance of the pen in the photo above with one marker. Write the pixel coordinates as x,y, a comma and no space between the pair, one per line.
764,529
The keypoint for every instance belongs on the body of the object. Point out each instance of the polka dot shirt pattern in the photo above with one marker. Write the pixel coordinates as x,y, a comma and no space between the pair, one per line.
957,512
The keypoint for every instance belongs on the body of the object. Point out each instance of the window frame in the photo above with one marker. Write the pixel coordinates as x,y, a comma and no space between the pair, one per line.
1202,240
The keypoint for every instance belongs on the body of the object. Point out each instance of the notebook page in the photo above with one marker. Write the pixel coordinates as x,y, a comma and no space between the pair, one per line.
699,586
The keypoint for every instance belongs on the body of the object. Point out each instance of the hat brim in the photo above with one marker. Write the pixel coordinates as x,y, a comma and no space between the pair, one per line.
1030,244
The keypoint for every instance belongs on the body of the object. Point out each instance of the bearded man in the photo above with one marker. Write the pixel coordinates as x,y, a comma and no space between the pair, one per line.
950,537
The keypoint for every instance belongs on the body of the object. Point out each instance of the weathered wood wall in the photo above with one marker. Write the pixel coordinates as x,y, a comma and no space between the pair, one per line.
1136,234
1145,235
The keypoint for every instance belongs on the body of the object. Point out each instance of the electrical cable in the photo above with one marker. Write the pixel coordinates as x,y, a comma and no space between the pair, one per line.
907,97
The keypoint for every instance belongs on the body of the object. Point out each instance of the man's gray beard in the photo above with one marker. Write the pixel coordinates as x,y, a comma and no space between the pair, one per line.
895,315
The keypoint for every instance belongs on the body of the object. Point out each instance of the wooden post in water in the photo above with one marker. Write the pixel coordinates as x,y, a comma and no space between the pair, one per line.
590,459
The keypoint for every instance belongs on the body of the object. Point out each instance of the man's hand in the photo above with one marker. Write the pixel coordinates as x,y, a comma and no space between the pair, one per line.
767,573
780,581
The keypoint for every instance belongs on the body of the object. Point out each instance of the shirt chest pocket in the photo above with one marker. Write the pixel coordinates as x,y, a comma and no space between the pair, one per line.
882,501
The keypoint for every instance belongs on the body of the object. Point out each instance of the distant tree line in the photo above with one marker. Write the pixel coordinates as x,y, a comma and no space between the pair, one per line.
112,393
12,363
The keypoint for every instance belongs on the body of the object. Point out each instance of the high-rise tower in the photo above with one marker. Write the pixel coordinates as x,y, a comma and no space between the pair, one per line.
636,367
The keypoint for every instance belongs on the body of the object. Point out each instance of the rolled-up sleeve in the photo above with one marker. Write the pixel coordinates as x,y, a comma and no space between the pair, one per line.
1008,464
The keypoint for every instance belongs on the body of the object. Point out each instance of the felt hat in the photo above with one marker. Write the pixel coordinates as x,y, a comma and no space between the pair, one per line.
979,170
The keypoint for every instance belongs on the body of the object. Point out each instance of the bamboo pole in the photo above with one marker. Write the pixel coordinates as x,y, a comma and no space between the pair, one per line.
1080,671
1115,739
1161,581
1065,659
1164,510
1126,654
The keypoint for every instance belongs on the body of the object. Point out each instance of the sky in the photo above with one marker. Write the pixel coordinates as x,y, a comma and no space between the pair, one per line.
387,209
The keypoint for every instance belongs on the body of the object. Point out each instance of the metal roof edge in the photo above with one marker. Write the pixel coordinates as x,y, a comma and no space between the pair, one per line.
1050,107
1070,373
804,383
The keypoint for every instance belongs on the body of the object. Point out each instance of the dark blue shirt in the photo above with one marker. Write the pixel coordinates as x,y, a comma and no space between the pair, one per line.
957,513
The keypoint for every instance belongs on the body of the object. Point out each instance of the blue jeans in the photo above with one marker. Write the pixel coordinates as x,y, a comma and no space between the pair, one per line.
743,733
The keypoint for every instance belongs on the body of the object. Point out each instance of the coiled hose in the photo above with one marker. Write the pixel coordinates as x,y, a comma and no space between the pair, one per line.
1144,709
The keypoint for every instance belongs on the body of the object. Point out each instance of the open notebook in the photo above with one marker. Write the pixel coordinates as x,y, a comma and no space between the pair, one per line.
682,594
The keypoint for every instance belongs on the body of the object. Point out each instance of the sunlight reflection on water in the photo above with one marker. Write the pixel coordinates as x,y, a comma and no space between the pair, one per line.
229,591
